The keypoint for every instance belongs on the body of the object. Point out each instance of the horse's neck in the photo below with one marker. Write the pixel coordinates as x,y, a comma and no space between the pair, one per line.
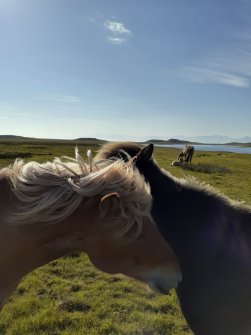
23,248
158,179
195,221
181,213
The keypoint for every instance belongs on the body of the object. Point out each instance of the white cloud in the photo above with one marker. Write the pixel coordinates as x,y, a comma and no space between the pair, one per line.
117,27
62,98
231,66
202,75
116,40
119,33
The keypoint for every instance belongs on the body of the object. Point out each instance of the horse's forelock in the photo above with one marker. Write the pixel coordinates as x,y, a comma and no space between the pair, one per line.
122,150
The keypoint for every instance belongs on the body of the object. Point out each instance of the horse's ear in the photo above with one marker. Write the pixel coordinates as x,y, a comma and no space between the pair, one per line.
110,204
146,153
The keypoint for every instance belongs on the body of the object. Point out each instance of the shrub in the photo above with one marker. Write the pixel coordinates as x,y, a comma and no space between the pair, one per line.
205,168
13,155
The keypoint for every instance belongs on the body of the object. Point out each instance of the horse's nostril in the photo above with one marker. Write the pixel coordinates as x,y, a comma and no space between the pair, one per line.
158,287
161,289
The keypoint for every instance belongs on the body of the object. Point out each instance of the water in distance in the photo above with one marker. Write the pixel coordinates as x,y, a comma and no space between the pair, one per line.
210,147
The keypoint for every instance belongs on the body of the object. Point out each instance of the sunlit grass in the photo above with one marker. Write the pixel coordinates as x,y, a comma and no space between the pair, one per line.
70,296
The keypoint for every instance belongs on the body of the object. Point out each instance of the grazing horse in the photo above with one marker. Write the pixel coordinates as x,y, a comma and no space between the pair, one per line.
49,210
211,236
186,154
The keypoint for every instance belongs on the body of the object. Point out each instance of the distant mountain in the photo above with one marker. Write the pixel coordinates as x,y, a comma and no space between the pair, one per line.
12,137
215,139
25,139
245,139
91,139
170,141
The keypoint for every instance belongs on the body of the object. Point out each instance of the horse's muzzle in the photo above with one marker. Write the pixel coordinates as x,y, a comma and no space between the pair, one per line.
163,284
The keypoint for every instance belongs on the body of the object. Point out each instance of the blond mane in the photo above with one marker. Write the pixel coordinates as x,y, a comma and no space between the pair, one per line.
50,192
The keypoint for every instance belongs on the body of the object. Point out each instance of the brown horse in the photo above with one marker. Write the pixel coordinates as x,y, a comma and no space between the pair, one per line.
49,210
186,154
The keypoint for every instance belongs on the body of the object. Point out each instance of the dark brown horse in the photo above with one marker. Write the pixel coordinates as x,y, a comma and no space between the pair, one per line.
211,236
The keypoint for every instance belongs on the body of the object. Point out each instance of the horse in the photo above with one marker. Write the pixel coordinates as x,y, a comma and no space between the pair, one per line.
186,154
51,209
211,236
176,163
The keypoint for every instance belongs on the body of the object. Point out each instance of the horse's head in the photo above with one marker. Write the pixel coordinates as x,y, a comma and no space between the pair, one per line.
145,154
127,151
138,251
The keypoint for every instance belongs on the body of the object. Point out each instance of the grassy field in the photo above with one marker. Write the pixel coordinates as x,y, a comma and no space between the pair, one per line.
69,296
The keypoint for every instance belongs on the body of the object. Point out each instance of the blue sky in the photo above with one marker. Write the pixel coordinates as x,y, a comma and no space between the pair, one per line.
125,69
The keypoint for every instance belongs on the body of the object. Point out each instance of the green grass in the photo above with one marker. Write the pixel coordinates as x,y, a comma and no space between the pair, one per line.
205,168
70,296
